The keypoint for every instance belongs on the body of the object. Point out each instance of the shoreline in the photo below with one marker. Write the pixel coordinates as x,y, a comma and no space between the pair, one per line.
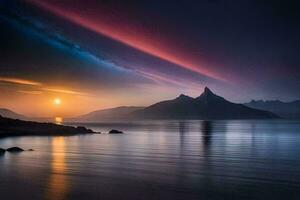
16,127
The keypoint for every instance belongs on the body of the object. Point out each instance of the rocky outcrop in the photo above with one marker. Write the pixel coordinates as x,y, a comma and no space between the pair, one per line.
15,127
114,131
14,149
2,151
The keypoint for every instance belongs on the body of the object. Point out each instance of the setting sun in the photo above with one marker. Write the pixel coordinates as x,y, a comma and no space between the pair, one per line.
57,101
58,120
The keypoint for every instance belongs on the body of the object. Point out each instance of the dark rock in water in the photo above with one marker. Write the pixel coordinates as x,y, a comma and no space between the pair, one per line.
14,149
114,131
2,151
84,130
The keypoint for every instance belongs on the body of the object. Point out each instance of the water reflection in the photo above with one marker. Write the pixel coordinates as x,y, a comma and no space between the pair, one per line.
182,133
159,160
206,129
58,184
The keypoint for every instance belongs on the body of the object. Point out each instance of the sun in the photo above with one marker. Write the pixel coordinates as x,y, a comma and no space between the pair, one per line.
58,120
57,101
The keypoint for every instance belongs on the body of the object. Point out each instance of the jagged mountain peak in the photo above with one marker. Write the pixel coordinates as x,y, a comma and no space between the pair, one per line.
208,96
207,91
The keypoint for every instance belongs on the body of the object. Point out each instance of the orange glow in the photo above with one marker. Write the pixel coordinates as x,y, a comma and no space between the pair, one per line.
58,184
19,81
57,101
34,92
58,154
64,91
58,120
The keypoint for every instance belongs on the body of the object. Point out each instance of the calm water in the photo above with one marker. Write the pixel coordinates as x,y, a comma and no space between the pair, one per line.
158,160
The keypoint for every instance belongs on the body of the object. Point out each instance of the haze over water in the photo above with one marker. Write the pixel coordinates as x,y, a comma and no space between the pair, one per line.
158,160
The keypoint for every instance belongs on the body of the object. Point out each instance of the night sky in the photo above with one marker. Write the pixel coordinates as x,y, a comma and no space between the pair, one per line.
99,54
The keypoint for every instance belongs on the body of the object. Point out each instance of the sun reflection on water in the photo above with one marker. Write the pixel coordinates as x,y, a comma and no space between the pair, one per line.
58,184
58,120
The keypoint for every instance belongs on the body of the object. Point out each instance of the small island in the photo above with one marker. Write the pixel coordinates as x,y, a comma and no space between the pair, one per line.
16,127
114,131
14,149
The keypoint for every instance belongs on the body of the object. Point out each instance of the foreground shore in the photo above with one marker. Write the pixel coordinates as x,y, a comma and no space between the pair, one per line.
16,127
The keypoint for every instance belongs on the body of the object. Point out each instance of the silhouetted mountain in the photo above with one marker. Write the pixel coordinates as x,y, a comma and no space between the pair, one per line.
206,106
15,127
11,114
283,109
118,113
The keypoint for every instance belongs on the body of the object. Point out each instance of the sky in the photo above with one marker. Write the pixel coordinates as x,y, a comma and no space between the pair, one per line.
101,54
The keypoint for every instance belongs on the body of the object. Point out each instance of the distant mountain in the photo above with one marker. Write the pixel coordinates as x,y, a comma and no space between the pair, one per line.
11,114
118,113
206,106
283,109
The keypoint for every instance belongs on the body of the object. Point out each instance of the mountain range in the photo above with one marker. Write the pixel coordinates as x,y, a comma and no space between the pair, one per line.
118,113
283,109
11,114
207,106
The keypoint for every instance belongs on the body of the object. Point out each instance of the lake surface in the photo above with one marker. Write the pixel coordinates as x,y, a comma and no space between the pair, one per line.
158,160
